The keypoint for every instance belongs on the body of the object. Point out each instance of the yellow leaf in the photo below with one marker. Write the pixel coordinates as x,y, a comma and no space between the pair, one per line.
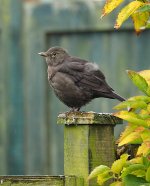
98,170
117,183
139,81
146,75
128,139
110,5
131,117
140,21
117,166
128,130
144,149
127,11
136,160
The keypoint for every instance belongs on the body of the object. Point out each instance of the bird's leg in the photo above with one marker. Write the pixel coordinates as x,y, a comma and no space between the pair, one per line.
77,109
73,109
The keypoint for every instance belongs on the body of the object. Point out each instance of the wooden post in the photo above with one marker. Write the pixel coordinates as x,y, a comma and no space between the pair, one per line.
38,180
88,142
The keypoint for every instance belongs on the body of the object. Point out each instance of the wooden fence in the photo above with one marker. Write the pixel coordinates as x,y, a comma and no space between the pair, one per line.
30,141
88,142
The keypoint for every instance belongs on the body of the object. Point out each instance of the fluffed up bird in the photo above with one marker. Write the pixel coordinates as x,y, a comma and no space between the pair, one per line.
75,81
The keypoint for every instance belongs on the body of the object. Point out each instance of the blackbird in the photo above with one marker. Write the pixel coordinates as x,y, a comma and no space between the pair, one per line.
75,81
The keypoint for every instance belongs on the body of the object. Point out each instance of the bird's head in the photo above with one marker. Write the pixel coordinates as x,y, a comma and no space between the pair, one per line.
54,55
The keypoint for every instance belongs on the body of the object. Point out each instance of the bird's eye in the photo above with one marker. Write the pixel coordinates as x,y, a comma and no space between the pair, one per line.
53,54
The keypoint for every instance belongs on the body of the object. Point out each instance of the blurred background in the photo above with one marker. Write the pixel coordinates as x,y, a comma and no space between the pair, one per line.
30,140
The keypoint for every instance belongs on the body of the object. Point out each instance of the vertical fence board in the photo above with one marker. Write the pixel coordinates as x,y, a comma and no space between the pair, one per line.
12,58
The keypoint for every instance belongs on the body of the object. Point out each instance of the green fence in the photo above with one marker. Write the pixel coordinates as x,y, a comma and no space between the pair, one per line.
30,140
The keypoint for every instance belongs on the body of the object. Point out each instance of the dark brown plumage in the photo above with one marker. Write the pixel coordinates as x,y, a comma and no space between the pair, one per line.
75,81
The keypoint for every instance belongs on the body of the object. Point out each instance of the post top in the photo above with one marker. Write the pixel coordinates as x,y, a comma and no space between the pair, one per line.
87,118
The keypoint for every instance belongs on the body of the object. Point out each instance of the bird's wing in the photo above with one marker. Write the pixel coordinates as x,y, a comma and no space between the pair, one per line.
86,75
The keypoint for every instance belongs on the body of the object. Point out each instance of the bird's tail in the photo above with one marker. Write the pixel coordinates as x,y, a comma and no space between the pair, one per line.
116,96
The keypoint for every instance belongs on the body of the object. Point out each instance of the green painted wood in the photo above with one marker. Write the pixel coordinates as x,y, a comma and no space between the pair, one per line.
3,132
28,130
38,180
12,86
75,26
88,142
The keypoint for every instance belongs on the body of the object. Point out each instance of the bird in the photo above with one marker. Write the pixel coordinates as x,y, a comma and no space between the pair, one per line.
75,81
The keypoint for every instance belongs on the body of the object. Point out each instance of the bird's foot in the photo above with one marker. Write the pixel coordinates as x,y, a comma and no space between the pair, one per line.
73,109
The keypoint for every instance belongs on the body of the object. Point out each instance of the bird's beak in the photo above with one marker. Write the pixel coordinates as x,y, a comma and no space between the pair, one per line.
42,54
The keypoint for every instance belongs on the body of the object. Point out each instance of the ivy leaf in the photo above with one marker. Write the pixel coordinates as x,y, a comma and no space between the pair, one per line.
99,170
126,12
139,81
109,6
118,165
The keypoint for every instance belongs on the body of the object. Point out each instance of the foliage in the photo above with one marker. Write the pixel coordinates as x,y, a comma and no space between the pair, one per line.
136,110
138,10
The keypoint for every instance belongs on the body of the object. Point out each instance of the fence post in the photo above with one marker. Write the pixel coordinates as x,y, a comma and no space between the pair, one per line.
88,142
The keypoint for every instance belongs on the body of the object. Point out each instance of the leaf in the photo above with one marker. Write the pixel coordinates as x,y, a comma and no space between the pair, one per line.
118,165
98,170
131,117
148,174
132,180
146,75
145,135
109,6
129,129
131,168
130,138
126,12
140,21
131,104
144,8
144,149
146,99
139,81
136,160
117,183
103,177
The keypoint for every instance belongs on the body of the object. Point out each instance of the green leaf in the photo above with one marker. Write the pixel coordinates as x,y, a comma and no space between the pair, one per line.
144,8
117,183
132,180
146,99
131,104
117,166
99,170
139,81
132,168
131,117
148,174
103,178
